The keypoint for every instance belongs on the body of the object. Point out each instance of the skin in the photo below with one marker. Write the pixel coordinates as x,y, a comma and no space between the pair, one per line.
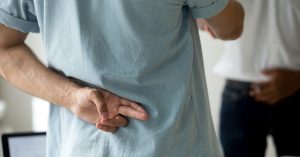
282,84
20,67
105,110
227,25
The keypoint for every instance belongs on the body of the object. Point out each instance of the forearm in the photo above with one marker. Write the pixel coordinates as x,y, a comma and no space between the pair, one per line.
19,66
228,24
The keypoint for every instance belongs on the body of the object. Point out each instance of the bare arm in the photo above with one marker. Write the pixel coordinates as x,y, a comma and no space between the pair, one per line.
228,24
19,66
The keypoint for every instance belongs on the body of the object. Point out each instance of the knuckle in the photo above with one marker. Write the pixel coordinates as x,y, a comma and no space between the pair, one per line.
90,95
93,92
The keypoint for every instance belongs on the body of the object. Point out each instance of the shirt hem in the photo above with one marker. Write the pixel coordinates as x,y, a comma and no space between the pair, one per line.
18,24
209,11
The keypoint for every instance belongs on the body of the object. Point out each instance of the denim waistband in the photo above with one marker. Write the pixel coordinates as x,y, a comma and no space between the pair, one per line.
238,83
238,86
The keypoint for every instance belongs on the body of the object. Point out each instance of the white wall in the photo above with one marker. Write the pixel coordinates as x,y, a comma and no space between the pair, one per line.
18,115
19,112
212,50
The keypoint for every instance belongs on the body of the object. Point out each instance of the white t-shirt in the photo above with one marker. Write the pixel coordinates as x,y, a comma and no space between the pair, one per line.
271,39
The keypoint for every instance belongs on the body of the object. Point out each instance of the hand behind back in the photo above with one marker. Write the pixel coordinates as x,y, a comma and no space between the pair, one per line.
104,109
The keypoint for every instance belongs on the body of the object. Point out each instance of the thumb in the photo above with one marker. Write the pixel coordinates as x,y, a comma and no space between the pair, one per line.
97,99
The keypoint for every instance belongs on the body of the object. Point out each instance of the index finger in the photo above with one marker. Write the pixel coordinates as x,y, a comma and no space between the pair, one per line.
134,111
132,105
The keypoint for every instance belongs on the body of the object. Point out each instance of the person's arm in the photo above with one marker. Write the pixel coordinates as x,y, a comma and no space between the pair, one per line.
20,67
228,24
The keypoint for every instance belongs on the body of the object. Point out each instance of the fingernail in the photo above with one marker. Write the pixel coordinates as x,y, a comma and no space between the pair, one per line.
104,116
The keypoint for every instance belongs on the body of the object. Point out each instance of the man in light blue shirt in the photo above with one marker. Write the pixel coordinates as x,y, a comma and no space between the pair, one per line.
110,60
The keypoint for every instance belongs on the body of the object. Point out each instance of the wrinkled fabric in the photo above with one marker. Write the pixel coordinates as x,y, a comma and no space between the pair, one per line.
147,51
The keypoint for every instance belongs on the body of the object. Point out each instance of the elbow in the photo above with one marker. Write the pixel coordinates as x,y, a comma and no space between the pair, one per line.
235,27
235,31
232,34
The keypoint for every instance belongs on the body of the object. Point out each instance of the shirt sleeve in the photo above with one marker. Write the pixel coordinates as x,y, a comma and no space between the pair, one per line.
206,8
19,15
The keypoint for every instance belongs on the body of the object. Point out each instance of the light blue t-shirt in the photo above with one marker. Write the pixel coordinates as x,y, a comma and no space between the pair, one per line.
145,50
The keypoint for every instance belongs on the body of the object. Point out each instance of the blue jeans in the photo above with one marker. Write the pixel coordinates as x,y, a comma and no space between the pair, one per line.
245,123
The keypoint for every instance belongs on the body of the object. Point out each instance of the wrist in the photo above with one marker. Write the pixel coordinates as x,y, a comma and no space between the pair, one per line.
69,99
